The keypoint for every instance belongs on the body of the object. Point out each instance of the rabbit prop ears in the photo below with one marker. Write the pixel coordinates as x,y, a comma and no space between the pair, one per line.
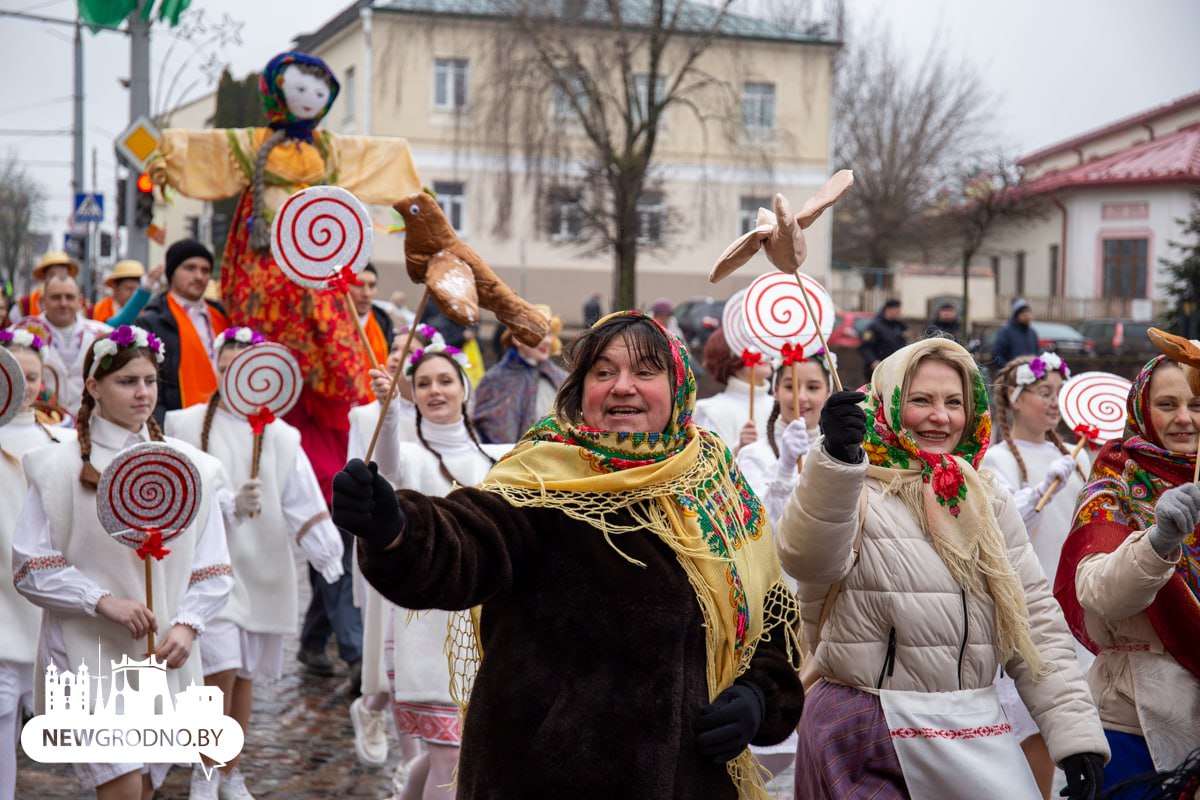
781,235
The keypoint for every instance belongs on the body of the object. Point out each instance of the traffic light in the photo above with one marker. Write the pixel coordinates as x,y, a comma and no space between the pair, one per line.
145,201
121,203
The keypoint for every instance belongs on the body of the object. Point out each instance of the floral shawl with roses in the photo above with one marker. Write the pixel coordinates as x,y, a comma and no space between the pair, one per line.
944,492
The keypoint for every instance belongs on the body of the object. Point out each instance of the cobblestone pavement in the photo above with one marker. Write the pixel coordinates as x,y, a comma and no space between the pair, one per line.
300,744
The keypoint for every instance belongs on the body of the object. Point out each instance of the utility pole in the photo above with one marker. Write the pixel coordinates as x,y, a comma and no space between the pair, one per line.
137,246
91,245
77,137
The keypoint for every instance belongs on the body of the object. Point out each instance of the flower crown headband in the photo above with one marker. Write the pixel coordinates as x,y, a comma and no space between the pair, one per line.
1037,369
124,338
23,338
437,344
245,336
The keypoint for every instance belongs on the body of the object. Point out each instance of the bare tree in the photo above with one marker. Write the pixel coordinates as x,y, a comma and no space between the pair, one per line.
580,92
20,207
902,127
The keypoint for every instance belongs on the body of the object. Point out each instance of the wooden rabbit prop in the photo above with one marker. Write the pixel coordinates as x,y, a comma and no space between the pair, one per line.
457,277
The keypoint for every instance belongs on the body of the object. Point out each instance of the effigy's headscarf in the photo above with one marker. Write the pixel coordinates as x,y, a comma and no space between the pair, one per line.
1129,476
275,106
945,494
683,486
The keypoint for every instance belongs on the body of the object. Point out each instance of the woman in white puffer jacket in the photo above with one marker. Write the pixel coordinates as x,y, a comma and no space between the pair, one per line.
942,589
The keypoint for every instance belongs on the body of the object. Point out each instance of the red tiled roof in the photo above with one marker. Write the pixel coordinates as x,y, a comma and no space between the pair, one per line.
1173,159
1113,127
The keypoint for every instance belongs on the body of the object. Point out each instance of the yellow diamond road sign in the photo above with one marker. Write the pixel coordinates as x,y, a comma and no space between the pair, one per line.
138,141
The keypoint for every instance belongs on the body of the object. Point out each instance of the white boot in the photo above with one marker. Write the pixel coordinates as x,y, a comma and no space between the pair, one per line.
233,786
204,788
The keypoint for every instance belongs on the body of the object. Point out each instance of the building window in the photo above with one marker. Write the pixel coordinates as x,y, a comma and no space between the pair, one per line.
348,93
450,84
1053,270
641,84
758,107
748,212
1020,272
564,214
1125,267
452,197
560,102
652,217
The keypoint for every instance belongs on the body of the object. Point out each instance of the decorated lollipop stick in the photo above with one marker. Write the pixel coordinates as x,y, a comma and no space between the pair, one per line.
391,395
751,359
1086,433
352,280
833,373
261,384
148,495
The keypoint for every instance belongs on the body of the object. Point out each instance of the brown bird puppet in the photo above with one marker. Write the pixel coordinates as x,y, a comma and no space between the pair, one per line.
781,235
1184,352
459,280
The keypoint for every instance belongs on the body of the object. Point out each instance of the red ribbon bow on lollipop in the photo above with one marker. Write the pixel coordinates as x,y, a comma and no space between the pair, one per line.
343,279
261,419
1088,432
792,355
751,358
152,545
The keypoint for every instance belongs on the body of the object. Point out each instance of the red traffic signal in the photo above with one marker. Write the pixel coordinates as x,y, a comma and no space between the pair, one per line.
144,184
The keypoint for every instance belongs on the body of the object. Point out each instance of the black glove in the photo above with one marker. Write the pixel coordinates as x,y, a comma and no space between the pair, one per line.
727,724
1085,776
365,505
844,424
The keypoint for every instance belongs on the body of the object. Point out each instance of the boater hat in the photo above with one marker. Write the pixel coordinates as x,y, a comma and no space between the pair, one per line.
127,268
53,259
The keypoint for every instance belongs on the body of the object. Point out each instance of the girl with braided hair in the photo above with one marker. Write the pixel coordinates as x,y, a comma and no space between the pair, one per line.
264,166
18,634
244,644
447,454
90,586
1027,460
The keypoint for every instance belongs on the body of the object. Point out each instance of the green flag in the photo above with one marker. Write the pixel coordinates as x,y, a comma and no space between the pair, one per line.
114,12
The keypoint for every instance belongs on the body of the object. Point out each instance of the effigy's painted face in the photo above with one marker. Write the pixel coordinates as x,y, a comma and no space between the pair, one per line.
305,94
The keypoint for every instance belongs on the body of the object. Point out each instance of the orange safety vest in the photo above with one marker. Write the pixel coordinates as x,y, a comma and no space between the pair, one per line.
375,337
197,379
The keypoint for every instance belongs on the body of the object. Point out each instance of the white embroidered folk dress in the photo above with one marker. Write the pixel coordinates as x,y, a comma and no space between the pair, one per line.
726,412
247,634
65,562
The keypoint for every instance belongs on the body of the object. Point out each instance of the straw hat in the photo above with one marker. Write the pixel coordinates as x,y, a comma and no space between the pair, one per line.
51,259
128,268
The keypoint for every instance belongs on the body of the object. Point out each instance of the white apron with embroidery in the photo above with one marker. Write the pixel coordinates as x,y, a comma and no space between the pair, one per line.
1170,719
956,745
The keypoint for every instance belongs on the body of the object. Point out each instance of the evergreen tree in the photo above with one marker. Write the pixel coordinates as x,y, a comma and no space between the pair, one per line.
1183,277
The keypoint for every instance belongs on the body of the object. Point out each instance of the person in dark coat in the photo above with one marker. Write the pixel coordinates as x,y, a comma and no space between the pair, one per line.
520,388
1018,337
633,622
884,336
187,323
591,310
945,323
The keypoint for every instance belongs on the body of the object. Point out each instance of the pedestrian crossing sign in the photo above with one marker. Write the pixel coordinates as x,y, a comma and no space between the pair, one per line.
88,207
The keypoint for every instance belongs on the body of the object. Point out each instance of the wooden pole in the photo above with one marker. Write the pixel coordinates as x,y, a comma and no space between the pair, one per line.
1054,483
149,599
833,373
796,406
383,407
362,333
753,380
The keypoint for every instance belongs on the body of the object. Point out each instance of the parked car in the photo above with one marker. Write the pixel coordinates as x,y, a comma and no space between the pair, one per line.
698,318
848,328
1119,337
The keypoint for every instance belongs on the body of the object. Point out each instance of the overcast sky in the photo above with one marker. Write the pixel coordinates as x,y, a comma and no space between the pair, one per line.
1058,67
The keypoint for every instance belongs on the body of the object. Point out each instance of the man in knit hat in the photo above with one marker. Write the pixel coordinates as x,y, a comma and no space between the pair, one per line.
187,323
1018,336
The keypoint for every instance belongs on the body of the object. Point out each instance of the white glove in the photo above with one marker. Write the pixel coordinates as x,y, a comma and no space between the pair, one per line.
1060,470
331,570
793,446
248,500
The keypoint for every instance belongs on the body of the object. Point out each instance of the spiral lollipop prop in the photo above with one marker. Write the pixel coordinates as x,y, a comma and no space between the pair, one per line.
1093,404
261,384
792,311
147,496
12,386
322,238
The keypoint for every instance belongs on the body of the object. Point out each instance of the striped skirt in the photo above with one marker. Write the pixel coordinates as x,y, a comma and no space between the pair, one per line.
845,748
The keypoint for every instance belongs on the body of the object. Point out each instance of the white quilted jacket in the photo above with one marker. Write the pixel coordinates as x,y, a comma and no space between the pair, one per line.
943,637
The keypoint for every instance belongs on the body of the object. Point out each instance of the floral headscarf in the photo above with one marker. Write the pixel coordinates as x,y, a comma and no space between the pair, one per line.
270,85
1127,479
945,494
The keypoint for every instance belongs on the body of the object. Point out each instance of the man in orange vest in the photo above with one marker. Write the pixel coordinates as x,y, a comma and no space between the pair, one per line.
123,282
187,323
55,262
375,321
